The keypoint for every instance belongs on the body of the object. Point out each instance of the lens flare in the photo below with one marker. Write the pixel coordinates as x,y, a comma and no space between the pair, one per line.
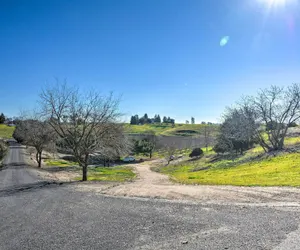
224,41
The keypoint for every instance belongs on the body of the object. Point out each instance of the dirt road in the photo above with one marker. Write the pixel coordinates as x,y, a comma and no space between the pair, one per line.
156,185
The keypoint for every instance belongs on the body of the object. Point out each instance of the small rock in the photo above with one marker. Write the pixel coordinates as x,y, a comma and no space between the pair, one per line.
184,242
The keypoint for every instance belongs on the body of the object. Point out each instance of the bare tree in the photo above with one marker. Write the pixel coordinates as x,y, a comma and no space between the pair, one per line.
169,152
113,146
86,123
207,135
276,108
37,134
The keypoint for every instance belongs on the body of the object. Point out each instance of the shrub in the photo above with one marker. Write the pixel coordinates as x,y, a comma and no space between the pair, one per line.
3,148
219,148
197,152
293,124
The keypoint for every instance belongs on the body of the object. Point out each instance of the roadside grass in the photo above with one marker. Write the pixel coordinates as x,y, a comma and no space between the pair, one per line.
169,130
118,174
254,168
3,151
6,132
60,163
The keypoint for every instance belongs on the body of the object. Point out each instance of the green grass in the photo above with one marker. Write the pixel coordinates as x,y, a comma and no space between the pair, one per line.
60,163
6,132
292,141
168,130
183,152
140,129
119,174
251,169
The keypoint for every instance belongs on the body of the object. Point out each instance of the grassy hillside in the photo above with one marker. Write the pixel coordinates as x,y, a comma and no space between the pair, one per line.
168,130
254,168
6,131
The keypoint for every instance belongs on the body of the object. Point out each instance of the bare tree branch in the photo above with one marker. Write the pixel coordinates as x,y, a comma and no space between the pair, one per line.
86,123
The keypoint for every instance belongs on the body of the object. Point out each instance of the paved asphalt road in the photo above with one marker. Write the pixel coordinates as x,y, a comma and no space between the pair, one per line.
35,214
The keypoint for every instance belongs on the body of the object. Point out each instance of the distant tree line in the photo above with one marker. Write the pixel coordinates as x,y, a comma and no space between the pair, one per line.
136,120
7,120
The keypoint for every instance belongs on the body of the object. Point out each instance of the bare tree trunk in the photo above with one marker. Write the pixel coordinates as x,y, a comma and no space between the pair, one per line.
38,157
84,172
150,154
84,167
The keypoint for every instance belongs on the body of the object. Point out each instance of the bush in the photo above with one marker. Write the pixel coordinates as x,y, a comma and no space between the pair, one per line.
293,124
3,148
197,152
219,148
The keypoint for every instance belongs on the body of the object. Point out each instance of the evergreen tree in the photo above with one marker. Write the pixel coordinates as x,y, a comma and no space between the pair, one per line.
132,120
158,119
136,118
165,119
192,120
2,118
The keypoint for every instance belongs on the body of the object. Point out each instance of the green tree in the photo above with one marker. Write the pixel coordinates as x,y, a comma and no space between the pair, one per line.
134,120
158,119
147,145
136,117
192,120
2,118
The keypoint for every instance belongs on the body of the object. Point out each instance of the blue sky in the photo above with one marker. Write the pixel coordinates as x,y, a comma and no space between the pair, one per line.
162,56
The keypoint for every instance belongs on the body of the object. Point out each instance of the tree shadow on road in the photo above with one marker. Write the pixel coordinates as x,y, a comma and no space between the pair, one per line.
12,190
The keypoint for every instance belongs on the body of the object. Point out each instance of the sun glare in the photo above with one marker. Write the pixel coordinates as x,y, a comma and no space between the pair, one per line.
277,3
